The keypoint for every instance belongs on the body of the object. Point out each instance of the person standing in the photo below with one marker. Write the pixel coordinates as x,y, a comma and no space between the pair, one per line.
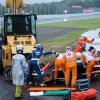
19,70
71,66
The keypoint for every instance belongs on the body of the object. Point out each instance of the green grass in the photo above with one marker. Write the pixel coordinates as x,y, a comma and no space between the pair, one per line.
88,24
59,43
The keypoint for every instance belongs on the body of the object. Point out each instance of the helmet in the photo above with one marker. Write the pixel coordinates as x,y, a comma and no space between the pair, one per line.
19,48
84,37
39,47
33,49
68,48
91,48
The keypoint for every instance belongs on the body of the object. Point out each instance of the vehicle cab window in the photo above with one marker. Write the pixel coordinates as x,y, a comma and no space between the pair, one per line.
9,24
99,34
17,24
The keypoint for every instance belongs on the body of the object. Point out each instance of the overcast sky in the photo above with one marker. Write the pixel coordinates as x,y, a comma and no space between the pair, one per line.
32,1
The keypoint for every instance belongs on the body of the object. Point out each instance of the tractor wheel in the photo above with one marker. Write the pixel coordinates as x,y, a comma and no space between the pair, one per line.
1,69
1,66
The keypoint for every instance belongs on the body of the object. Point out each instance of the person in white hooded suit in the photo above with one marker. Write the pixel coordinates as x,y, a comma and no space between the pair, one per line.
19,70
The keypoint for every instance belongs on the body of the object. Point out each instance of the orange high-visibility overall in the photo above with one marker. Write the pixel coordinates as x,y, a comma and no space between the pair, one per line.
79,45
81,41
71,66
78,48
90,65
59,64
83,58
89,68
89,41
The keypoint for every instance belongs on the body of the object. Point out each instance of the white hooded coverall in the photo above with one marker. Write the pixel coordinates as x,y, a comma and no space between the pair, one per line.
19,69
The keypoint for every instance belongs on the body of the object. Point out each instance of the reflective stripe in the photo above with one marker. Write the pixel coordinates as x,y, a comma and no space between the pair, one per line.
34,59
78,61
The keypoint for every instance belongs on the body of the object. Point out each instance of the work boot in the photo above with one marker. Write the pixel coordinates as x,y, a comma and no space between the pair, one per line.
89,80
18,96
67,85
42,84
18,92
73,86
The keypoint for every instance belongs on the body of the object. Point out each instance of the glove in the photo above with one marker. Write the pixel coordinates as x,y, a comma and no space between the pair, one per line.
57,54
85,64
53,52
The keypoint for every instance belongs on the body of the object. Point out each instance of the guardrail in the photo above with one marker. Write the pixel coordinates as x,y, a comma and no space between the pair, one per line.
43,19
69,15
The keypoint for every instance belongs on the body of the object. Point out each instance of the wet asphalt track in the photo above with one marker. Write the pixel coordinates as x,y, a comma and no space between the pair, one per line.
7,92
48,33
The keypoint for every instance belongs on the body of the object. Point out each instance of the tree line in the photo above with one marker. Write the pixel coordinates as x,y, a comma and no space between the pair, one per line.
58,7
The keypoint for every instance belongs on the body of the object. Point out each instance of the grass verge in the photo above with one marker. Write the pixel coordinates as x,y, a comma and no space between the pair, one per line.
59,43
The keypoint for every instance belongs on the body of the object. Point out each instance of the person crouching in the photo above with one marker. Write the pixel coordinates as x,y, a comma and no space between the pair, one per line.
59,64
90,61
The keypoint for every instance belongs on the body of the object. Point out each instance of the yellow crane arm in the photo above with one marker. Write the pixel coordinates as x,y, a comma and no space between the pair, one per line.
14,4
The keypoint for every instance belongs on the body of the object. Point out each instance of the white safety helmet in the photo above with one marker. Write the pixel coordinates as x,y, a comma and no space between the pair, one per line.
39,47
19,48
33,49
84,37
68,48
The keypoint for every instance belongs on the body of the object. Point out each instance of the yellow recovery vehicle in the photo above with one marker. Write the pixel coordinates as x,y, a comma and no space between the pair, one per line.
18,28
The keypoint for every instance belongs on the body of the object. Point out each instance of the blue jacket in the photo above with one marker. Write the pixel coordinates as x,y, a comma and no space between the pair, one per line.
37,54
